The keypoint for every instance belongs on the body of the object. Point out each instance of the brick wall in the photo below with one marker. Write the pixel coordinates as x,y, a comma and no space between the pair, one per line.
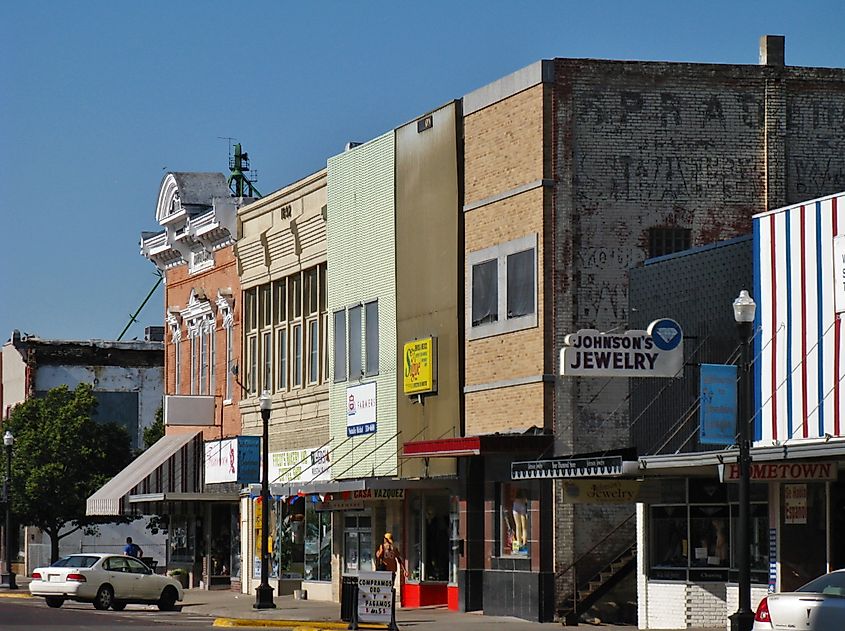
504,151
177,292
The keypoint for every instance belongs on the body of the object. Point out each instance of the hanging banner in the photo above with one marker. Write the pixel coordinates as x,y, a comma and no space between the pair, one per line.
655,352
718,405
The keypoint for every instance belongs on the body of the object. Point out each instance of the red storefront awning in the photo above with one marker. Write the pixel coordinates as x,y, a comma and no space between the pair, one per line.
477,445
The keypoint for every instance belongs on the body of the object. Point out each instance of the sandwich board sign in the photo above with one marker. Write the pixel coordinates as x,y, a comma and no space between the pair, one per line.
375,598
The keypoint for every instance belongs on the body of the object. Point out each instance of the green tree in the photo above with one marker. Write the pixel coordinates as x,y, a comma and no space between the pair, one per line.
156,430
61,457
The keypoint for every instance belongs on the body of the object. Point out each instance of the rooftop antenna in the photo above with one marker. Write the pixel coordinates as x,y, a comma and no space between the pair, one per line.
239,183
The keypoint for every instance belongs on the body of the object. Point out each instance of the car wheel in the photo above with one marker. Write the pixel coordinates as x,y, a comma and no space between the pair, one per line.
167,600
104,598
118,605
54,601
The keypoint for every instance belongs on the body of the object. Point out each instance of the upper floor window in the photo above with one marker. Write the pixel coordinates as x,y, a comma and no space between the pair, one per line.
371,338
662,241
283,343
340,345
356,341
503,288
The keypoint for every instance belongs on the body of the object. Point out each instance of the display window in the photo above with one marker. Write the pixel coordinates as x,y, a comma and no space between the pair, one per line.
429,537
318,543
695,540
289,551
514,527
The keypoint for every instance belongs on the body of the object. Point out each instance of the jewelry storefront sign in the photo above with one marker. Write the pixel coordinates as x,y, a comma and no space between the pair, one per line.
656,352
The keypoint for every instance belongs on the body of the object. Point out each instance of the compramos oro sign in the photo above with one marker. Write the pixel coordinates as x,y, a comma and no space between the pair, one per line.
655,352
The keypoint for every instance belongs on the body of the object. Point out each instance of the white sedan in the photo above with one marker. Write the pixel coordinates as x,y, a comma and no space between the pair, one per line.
106,580
817,606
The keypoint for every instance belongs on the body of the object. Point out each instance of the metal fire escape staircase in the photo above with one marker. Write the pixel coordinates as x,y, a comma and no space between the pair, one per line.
586,593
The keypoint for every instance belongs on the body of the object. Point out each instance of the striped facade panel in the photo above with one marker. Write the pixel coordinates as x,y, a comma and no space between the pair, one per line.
798,346
311,232
362,268
280,244
250,255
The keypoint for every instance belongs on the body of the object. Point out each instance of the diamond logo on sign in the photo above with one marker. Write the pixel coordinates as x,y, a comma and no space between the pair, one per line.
666,333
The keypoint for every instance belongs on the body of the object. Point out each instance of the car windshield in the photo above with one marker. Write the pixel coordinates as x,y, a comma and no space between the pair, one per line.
833,584
76,560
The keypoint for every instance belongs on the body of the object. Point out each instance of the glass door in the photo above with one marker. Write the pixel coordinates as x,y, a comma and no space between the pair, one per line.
454,541
357,543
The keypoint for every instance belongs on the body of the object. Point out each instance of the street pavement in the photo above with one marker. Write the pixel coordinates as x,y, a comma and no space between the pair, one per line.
232,609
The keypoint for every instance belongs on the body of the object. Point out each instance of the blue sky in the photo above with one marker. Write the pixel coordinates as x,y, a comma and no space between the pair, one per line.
99,98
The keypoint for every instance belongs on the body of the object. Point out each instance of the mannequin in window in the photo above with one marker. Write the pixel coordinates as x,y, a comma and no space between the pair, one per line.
520,518
721,541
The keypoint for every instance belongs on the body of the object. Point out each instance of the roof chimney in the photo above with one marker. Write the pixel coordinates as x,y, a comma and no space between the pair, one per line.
771,50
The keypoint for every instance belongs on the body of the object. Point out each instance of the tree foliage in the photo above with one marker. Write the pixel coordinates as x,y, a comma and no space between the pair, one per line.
61,456
154,431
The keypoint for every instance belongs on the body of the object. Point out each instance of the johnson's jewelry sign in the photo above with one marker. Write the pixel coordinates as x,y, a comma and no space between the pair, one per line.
655,352
361,409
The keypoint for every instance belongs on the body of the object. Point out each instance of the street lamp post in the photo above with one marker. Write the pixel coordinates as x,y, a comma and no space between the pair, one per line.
264,593
744,310
8,441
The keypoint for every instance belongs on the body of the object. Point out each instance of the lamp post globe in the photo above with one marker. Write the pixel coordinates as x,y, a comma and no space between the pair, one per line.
745,309
264,593
8,441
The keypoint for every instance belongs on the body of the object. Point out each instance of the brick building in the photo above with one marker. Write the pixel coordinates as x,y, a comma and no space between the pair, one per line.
576,171
192,476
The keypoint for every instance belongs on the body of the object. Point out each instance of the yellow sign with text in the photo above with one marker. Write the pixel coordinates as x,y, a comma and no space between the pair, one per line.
420,366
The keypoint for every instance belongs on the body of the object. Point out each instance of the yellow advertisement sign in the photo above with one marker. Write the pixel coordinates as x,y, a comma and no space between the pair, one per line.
420,366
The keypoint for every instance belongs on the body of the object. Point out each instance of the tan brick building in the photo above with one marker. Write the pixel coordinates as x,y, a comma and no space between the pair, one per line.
576,171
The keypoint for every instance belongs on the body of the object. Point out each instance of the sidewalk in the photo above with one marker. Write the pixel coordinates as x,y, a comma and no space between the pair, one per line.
232,609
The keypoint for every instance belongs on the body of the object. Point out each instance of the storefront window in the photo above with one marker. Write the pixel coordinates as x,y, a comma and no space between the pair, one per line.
318,544
235,529
181,537
669,542
514,519
289,553
428,556
455,546
221,549
695,540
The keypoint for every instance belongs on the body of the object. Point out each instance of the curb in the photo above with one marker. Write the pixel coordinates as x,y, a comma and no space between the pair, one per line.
301,625
14,594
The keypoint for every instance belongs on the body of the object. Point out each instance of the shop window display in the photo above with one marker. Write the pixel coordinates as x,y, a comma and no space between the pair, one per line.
289,551
695,540
514,519
318,543
181,536
429,538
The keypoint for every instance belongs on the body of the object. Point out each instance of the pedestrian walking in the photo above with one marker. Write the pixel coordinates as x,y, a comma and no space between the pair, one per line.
388,557
132,549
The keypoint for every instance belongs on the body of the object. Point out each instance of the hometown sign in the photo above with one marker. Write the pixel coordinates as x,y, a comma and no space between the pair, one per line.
656,352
